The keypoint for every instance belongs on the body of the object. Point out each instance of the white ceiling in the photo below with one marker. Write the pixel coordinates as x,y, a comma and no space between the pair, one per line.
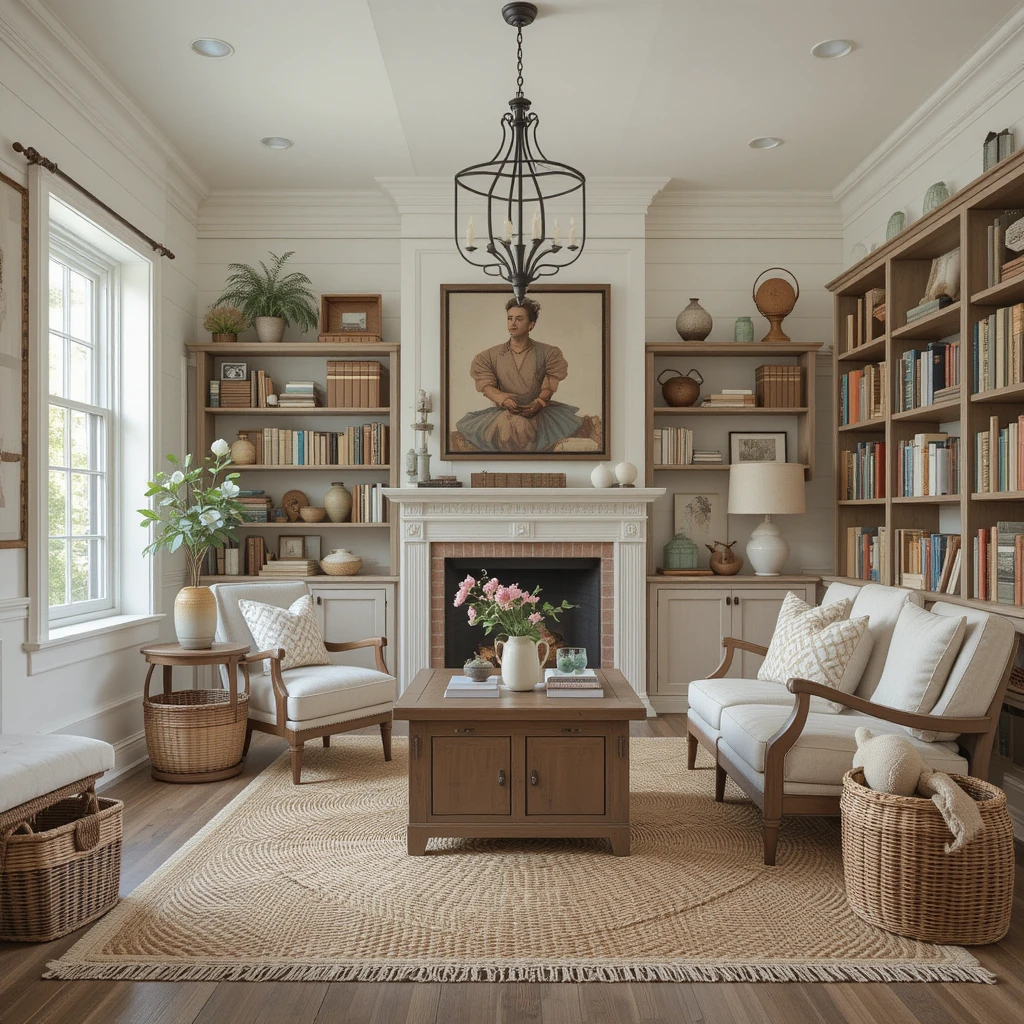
671,88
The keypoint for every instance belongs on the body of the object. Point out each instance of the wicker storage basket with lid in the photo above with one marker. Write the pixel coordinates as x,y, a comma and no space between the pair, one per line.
900,878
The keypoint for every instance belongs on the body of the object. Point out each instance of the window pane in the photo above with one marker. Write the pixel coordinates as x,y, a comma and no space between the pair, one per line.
83,441
80,571
58,572
57,503
58,436
81,504
97,552
56,296
81,373
57,366
81,307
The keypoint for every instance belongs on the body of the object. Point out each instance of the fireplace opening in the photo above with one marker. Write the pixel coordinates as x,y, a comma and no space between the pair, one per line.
577,580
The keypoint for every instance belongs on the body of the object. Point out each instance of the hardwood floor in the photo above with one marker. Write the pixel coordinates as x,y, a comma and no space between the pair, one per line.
159,818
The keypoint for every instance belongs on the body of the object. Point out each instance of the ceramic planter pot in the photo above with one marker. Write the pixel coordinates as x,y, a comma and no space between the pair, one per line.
195,618
224,339
243,451
341,562
338,502
694,323
269,328
520,661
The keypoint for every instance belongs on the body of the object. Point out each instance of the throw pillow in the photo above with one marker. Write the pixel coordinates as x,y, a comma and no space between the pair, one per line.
921,655
819,644
295,629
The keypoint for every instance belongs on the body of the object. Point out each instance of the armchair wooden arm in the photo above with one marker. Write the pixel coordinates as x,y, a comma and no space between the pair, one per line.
275,657
732,645
377,642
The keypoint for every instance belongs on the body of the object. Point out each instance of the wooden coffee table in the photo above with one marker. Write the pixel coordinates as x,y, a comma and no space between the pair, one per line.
522,765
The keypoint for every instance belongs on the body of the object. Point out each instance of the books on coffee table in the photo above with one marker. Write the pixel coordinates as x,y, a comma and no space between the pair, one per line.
463,686
562,684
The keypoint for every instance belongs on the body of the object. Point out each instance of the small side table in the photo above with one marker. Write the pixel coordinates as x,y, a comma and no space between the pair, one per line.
194,737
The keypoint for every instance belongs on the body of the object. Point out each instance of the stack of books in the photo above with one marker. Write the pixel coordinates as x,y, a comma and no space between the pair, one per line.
706,458
927,308
862,471
257,507
929,376
862,394
1012,268
779,387
562,684
999,457
999,349
291,568
865,552
730,398
927,561
463,686
235,394
929,465
995,246
369,504
214,394
357,384
298,394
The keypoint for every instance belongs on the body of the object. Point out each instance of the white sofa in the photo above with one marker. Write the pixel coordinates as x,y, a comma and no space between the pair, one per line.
779,745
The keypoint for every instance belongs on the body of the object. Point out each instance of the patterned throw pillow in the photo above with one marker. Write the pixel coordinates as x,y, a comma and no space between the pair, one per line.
295,629
818,644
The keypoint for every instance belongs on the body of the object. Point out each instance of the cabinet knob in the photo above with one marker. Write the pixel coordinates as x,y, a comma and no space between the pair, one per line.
501,777
728,600
319,599
735,600
534,778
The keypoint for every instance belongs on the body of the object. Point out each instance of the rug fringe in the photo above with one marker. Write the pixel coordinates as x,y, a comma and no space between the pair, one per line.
384,972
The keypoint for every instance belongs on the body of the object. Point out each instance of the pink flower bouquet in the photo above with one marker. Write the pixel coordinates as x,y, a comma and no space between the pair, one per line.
510,610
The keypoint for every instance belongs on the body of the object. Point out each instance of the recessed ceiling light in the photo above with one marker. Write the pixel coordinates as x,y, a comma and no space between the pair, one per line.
832,48
277,142
765,142
212,48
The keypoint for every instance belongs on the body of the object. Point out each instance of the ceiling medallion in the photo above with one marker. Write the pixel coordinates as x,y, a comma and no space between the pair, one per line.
513,195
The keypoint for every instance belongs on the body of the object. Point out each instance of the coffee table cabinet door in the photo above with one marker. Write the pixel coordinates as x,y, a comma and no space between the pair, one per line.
565,775
471,775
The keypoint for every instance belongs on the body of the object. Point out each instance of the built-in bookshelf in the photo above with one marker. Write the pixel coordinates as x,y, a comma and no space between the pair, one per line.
948,448
299,443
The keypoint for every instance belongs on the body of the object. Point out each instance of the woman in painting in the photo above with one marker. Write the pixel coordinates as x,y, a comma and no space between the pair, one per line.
520,377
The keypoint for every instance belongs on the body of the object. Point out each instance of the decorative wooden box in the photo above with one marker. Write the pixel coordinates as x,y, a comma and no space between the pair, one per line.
350,318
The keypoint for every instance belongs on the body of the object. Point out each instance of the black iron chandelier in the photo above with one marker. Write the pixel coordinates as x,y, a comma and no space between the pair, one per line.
509,193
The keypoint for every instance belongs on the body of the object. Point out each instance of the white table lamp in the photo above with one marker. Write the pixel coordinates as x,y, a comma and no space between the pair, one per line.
768,489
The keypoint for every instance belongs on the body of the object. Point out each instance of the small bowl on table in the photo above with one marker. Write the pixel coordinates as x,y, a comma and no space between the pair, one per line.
309,514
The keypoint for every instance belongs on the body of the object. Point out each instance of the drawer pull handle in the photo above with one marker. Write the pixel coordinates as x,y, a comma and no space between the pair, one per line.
534,778
501,777
574,728
469,728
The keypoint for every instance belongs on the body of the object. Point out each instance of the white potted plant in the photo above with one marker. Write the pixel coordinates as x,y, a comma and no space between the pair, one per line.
270,299
193,515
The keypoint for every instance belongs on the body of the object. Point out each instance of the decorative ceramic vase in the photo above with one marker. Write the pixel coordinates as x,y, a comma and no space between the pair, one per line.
936,195
269,328
743,331
625,474
680,553
897,222
858,252
338,502
602,476
312,514
341,562
478,669
243,451
195,618
679,390
724,561
224,339
694,323
520,661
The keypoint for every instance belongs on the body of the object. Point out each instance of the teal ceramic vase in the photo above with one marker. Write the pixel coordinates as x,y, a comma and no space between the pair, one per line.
936,195
897,222
680,553
744,329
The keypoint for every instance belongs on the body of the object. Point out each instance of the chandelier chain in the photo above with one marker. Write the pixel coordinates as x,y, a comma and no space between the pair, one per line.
519,52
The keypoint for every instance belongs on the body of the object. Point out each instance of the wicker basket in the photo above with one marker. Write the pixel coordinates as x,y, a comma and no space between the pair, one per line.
899,876
190,731
61,869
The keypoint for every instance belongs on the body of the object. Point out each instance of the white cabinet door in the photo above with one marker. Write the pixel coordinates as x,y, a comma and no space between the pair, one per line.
754,611
690,631
353,613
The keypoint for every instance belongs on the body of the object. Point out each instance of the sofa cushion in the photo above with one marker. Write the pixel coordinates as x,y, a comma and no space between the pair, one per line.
818,644
320,691
709,697
32,766
294,629
824,752
923,649
882,605
978,668
839,592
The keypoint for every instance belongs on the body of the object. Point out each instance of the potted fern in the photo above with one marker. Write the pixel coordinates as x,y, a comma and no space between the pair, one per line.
270,299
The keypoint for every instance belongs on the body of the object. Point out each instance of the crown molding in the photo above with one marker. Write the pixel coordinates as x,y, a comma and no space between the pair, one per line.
971,86
744,214
23,37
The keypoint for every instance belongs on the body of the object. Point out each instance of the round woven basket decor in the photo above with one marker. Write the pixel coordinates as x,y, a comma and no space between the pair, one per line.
313,882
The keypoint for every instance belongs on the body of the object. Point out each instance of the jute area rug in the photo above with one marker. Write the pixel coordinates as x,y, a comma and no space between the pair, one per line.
312,882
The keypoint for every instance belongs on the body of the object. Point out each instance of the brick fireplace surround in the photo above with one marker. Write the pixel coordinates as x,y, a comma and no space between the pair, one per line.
572,522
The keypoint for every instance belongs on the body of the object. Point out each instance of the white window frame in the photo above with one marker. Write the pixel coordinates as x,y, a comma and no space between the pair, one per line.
79,256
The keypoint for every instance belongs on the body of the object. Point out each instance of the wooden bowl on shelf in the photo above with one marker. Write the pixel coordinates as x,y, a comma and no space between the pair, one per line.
309,514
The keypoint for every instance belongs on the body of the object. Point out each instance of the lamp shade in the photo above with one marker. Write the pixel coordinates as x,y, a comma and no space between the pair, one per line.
766,488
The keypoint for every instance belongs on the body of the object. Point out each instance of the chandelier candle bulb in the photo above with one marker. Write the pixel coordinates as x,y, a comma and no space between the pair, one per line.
469,233
556,235
535,228
508,230
572,231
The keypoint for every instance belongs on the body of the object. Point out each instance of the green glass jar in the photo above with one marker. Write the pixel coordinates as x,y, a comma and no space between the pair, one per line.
680,553
744,329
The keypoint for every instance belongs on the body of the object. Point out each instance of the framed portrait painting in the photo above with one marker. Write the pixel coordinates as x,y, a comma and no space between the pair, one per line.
527,382
13,363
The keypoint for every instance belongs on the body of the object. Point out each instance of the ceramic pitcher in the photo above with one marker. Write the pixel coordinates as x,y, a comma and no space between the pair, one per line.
520,661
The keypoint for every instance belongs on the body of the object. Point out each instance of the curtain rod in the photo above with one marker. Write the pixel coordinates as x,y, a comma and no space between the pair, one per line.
33,156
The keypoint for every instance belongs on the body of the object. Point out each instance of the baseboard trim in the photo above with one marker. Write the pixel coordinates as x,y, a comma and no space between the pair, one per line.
669,705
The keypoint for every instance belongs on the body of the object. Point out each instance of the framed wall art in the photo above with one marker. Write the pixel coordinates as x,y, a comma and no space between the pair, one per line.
757,446
234,371
512,389
13,363
702,517
291,547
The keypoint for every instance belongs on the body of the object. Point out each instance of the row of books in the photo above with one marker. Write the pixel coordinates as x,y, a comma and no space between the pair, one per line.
862,471
995,245
928,561
366,445
999,563
868,323
673,446
242,393
999,457
929,376
359,383
298,394
369,504
779,387
998,352
924,309
865,552
929,464
862,394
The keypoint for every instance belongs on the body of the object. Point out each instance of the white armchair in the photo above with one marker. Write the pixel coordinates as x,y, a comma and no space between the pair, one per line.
304,703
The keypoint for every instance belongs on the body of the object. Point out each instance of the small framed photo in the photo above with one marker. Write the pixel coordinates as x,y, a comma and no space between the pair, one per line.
291,547
311,547
234,371
745,446
353,322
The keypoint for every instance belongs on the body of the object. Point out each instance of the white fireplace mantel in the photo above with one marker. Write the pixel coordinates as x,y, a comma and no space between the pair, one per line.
617,516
